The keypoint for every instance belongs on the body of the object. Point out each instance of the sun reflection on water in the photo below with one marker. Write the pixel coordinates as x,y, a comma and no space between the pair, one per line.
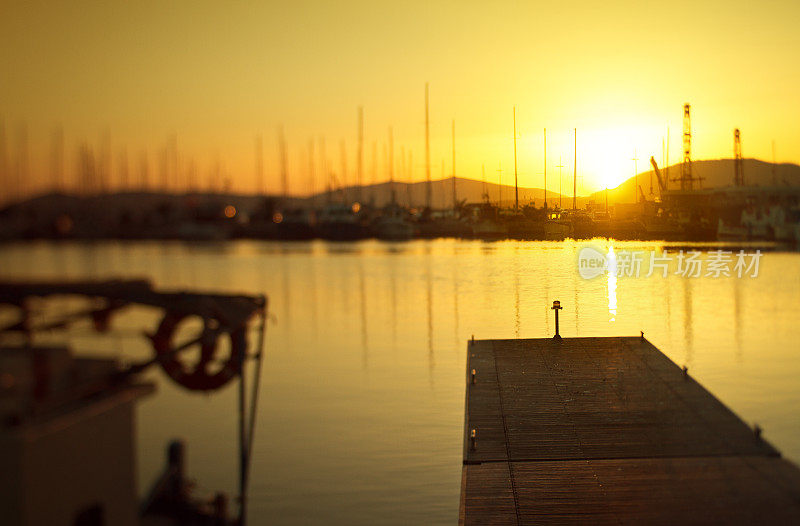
612,284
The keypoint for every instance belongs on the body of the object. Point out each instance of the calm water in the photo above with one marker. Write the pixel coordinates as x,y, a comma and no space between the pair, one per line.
361,410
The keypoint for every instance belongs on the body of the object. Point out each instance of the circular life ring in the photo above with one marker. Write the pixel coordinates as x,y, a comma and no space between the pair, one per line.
198,378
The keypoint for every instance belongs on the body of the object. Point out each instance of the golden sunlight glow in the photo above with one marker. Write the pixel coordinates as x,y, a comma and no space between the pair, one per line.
602,71
606,155
610,153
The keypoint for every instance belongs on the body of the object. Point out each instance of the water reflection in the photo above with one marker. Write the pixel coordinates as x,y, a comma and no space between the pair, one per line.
612,284
365,414
286,290
393,298
546,300
455,304
737,317
429,297
516,302
688,320
313,271
362,296
576,287
667,293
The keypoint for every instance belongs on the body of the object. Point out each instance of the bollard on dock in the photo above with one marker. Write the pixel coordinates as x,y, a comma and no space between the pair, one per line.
556,307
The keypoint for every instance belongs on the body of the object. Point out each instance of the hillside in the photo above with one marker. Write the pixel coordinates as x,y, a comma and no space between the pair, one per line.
716,173
414,194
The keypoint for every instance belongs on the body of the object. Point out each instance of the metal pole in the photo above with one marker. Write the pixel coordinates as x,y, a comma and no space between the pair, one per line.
242,445
516,186
256,385
636,169
428,191
391,166
560,166
557,335
556,307
259,165
360,165
455,199
575,174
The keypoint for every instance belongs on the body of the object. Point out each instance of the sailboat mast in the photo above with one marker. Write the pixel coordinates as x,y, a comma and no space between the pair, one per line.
455,197
326,174
57,168
774,175
560,195
259,165
402,173
666,164
360,163
428,190
282,146
635,176
485,188
311,171
343,179
374,181
391,164
516,185
499,186
575,174
444,197
410,178
545,170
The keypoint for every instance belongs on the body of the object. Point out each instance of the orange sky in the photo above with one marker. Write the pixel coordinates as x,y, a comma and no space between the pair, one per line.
215,75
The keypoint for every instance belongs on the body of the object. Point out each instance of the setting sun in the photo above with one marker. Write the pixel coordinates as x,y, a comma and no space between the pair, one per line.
609,155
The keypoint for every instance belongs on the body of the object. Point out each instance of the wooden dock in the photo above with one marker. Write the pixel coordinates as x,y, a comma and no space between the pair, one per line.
610,431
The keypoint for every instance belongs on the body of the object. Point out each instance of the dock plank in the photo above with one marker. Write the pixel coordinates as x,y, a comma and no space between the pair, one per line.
609,429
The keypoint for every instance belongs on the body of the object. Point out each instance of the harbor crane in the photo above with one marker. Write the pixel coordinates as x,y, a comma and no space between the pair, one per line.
662,182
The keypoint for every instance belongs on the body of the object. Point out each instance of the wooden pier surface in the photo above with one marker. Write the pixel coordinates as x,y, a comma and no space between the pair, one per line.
609,430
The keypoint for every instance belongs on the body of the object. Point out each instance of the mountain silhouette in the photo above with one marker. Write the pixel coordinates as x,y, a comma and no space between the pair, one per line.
715,173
